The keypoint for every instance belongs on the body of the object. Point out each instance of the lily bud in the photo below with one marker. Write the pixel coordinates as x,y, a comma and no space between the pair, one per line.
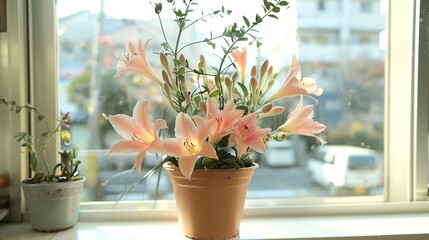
164,61
182,58
254,86
186,94
203,107
167,79
184,87
275,76
202,63
253,71
266,108
263,69
238,93
234,77
253,83
272,112
270,71
167,93
228,83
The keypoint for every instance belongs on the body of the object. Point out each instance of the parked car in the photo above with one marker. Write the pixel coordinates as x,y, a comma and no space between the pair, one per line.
280,154
346,169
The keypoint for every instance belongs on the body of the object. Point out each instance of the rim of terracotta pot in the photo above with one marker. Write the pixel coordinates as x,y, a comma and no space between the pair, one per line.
207,172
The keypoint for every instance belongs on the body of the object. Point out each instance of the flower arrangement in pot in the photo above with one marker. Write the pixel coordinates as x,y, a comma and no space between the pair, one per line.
53,192
218,112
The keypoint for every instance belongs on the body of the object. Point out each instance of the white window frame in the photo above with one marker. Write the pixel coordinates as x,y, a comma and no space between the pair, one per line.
406,118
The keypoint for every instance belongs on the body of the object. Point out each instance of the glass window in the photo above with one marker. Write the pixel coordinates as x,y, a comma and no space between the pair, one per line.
362,162
321,5
93,36
366,6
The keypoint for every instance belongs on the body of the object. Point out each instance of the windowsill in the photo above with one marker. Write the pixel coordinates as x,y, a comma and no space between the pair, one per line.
387,226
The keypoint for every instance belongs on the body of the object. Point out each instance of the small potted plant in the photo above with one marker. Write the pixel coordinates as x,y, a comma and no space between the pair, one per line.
53,192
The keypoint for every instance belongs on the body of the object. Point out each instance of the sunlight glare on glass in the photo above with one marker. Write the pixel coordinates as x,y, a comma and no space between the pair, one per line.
275,41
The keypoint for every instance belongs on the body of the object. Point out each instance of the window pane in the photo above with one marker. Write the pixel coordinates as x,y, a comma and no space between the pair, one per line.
341,47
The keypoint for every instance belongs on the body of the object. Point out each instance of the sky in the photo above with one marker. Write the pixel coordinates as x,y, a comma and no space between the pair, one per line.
141,9
283,38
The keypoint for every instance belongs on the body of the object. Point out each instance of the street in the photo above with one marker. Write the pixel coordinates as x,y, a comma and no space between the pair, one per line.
267,182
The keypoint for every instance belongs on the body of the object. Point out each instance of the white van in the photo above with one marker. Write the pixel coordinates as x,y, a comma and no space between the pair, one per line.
343,168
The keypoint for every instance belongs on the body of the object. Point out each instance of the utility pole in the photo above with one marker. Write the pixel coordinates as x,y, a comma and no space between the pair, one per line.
94,103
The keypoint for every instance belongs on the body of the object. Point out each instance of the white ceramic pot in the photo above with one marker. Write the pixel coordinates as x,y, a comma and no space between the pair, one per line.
53,206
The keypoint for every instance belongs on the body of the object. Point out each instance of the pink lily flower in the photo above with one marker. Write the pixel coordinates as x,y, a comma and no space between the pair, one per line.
240,58
135,61
190,143
295,85
224,120
310,85
139,133
247,134
274,111
300,121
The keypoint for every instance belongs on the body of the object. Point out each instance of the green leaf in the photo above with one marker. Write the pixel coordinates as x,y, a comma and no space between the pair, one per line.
214,93
233,165
34,161
44,134
223,143
224,50
158,8
237,34
283,3
258,19
228,33
178,13
197,100
165,45
209,162
273,16
246,21
276,9
210,43
267,4
243,107
243,39
176,62
243,88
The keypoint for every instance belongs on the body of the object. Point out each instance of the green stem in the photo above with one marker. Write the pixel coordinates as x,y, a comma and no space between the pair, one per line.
163,32
220,71
197,42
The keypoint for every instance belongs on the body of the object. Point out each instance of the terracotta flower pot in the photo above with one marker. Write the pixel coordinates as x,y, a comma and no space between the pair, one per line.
53,206
210,205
